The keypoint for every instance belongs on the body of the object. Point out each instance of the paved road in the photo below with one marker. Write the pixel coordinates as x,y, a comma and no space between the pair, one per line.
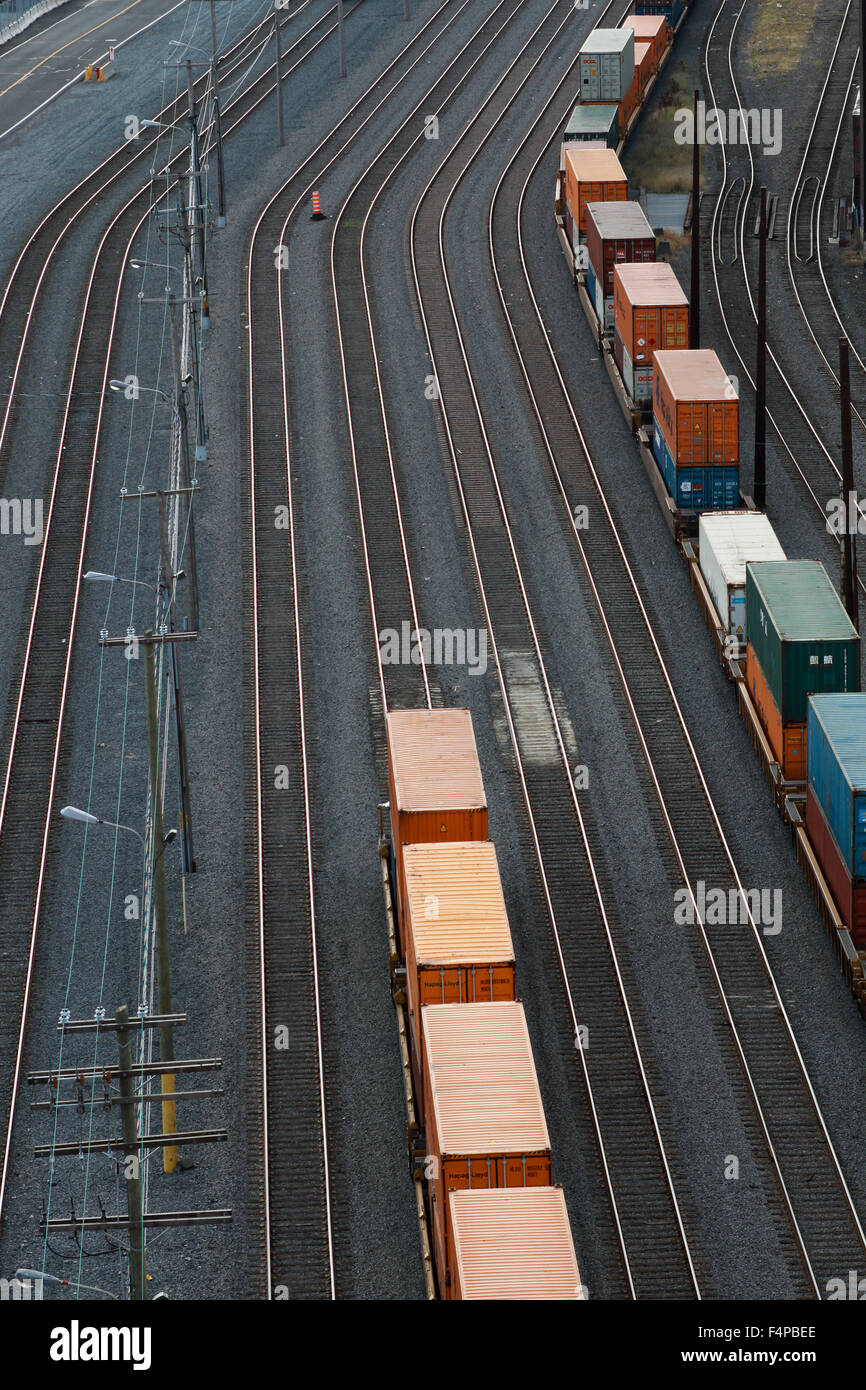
55,50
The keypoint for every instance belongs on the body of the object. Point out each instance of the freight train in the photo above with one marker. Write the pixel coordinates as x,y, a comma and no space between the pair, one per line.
482,1157
782,634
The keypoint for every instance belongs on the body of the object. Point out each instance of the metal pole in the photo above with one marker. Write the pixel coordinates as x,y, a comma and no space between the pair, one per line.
131,1147
695,305
407,13
177,691
221,169
862,209
180,403
343,38
849,543
760,498
199,194
281,128
163,963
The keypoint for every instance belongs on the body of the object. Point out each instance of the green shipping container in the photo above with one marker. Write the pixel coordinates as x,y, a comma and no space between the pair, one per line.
803,638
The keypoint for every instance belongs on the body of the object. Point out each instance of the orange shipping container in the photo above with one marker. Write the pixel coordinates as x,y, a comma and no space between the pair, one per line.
650,309
592,176
484,1118
434,781
457,940
788,741
644,65
512,1243
651,29
696,408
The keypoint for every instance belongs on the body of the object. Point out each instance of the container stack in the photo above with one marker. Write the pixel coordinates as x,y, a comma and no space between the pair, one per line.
801,642
607,71
696,441
650,312
651,29
727,542
591,176
836,801
616,233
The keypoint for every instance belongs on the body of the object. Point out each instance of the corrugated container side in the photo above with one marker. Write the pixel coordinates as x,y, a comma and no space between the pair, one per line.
616,235
803,638
606,64
849,893
695,407
836,726
652,29
513,1243
644,64
651,311
713,487
727,541
671,9
591,176
788,741
637,379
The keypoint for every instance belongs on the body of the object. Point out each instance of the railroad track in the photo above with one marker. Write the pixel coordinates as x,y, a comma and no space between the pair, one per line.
299,1205
808,448
37,709
655,1259
820,1227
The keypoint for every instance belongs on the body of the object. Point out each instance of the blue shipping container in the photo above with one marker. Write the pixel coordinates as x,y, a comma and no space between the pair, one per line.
712,489
590,284
836,743
672,8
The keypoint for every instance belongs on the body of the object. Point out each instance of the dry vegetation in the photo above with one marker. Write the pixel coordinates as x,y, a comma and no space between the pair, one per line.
780,35
653,159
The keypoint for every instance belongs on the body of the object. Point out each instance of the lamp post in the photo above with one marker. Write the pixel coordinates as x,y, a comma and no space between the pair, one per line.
43,1278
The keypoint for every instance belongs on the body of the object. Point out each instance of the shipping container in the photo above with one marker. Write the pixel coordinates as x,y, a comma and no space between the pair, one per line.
591,176
434,782
788,741
836,733
589,123
512,1243
849,893
650,312
591,287
726,542
637,377
803,639
651,29
456,939
606,65
644,66
696,407
671,9
695,487
484,1119
616,233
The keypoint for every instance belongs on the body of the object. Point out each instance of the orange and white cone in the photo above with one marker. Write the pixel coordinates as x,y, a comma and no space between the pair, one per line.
318,215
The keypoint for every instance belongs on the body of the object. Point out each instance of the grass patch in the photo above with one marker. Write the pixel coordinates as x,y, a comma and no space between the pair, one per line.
653,159
780,35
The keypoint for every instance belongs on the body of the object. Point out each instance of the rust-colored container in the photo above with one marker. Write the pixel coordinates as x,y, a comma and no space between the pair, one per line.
649,28
511,1243
434,781
788,741
484,1119
644,66
849,893
592,176
696,407
457,941
616,233
650,310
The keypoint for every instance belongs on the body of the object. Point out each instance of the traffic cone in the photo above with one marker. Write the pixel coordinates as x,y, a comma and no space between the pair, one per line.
318,215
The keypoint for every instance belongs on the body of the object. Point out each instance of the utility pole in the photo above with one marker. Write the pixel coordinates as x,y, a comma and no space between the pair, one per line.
199,195
132,1157
862,208
849,541
221,171
342,39
695,305
281,129
163,963
760,498
180,405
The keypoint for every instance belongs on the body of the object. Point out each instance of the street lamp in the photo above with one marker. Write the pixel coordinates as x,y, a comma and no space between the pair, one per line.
117,579
65,1283
87,818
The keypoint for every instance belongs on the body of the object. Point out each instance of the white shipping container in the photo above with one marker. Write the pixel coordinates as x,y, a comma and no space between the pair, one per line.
727,542
638,380
607,65
603,307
